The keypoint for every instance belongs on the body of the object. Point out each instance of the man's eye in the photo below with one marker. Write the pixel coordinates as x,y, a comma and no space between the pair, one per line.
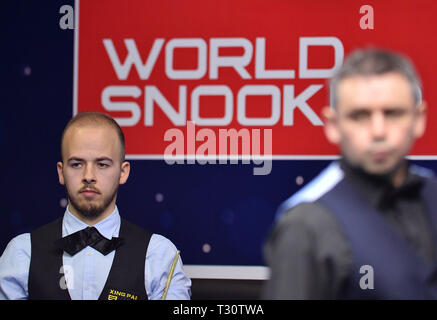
103,165
359,116
75,165
394,113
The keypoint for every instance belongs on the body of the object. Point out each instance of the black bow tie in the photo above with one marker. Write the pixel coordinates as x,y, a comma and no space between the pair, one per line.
89,236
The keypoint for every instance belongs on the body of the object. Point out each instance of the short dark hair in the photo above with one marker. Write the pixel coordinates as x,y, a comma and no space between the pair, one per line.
95,118
369,62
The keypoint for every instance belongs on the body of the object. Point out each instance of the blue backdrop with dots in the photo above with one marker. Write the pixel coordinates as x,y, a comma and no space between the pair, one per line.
215,214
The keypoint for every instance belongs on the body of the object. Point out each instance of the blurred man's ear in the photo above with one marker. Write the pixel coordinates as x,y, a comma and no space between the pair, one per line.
332,132
59,166
420,125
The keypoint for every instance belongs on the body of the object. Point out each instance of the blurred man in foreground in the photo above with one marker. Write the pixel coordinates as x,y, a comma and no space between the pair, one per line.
366,227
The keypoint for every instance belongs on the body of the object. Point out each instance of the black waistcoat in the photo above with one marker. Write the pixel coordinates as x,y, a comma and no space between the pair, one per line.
125,279
398,272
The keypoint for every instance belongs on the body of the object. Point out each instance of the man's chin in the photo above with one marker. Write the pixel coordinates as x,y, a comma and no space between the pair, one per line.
369,166
88,211
387,168
91,209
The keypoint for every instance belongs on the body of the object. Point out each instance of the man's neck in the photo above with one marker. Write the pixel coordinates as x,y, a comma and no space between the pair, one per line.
399,175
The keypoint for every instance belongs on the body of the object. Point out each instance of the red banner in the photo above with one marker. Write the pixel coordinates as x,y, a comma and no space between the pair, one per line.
253,70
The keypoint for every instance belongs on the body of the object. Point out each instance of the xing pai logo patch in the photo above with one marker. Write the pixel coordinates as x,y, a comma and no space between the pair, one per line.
121,295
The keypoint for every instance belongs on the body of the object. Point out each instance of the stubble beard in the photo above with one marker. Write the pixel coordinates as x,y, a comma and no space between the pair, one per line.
89,210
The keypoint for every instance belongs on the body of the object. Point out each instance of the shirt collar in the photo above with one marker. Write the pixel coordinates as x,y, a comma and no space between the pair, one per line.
108,227
378,190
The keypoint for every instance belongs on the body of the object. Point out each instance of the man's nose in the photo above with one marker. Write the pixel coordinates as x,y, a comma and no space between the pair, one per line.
378,126
89,174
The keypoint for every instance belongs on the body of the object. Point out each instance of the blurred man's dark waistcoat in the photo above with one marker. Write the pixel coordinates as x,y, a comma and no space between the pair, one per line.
385,264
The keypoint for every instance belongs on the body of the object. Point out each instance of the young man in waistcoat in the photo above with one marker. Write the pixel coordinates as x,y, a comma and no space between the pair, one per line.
366,227
91,252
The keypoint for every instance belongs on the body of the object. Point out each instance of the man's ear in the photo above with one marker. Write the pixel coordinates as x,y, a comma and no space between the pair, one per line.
420,125
59,167
332,132
125,170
